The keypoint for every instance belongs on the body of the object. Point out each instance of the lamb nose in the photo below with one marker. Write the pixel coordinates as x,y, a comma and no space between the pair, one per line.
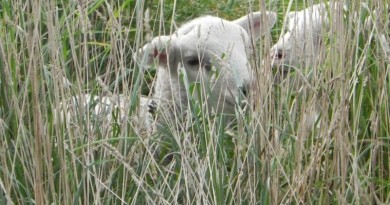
278,54
244,90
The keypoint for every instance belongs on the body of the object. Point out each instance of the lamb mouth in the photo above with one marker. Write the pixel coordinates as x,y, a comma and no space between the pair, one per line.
229,103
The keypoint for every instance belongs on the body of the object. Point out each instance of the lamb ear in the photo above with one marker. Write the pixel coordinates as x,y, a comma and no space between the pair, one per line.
254,23
291,14
154,51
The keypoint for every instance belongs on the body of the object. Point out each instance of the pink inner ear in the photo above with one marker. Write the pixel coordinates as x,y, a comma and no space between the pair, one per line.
162,57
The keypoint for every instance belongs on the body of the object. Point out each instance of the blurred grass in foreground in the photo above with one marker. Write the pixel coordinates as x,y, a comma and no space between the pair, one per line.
52,50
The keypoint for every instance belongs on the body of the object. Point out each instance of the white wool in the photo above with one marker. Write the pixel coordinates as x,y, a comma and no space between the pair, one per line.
99,111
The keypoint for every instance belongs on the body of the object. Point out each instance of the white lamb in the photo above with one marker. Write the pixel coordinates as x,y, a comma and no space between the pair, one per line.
302,45
210,51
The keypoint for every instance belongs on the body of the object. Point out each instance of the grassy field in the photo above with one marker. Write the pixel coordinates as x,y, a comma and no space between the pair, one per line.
51,50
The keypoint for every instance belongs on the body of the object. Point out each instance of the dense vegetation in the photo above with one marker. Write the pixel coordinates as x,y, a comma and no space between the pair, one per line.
51,50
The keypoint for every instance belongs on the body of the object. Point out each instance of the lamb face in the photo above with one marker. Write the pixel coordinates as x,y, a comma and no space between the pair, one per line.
301,46
212,52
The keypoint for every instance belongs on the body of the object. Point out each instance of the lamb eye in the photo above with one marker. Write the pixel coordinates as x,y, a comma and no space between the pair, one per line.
208,66
193,62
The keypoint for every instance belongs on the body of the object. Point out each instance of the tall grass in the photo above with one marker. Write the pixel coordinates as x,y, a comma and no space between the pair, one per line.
272,154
